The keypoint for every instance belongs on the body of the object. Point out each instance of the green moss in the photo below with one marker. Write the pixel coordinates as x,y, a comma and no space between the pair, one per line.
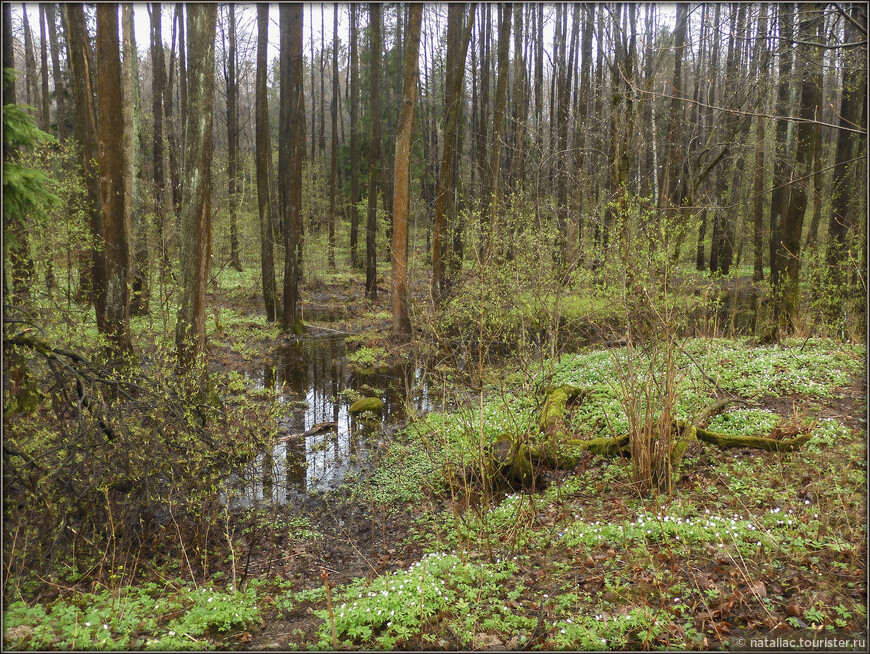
366,404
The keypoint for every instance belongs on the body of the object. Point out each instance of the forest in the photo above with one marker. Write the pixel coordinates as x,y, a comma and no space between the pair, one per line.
411,326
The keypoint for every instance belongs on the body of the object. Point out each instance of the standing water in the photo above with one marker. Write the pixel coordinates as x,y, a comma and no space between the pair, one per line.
313,380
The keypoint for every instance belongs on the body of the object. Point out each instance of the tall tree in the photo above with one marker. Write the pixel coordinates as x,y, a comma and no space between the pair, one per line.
843,220
290,153
779,198
374,149
763,62
59,86
263,158
333,156
402,183
30,91
493,191
232,84
457,49
789,262
195,245
16,241
158,83
354,138
44,114
133,137
171,129
93,283
114,174
670,168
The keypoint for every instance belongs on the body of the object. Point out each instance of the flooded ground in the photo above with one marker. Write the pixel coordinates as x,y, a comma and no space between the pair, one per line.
314,381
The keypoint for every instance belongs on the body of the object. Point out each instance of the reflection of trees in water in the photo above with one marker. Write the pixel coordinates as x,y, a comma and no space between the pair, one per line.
316,370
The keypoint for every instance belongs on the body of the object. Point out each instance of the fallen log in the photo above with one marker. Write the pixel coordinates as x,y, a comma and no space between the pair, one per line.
319,428
516,460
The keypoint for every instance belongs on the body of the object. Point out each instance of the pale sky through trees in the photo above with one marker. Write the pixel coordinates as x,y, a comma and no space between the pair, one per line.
246,15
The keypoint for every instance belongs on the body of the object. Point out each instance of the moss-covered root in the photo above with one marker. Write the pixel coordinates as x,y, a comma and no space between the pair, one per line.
366,404
754,442
555,405
513,459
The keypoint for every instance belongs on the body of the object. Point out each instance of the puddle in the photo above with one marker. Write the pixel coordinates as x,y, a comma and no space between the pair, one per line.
309,378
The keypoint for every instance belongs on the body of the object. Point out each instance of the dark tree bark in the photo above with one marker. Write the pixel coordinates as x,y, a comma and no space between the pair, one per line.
21,266
59,86
457,49
171,127
114,172
333,155
374,149
788,255
843,220
354,137
263,158
232,84
195,245
30,92
483,125
518,106
564,77
763,61
402,183
182,88
44,114
671,166
290,153
779,199
158,74
492,195
86,131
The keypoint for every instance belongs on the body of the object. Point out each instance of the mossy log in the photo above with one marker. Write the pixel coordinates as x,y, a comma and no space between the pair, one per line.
517,460
555,405
366,404
754,442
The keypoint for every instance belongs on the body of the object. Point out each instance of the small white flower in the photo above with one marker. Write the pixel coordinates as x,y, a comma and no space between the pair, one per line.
210,599
87,624
105,626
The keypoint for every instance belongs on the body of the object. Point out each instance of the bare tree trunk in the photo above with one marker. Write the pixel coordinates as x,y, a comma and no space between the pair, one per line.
30,91
457,49
115,174
844,220
182,88
86,126
492,196
59,87
232,139
263,157
779,199
793,219
158,73
371,292
139,225
44,114
290,153
195,246
21,266
763,60
354,139
333,155
483,124
171,128
401,186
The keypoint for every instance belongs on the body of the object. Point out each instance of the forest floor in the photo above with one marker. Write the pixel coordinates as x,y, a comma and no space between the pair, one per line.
750,545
